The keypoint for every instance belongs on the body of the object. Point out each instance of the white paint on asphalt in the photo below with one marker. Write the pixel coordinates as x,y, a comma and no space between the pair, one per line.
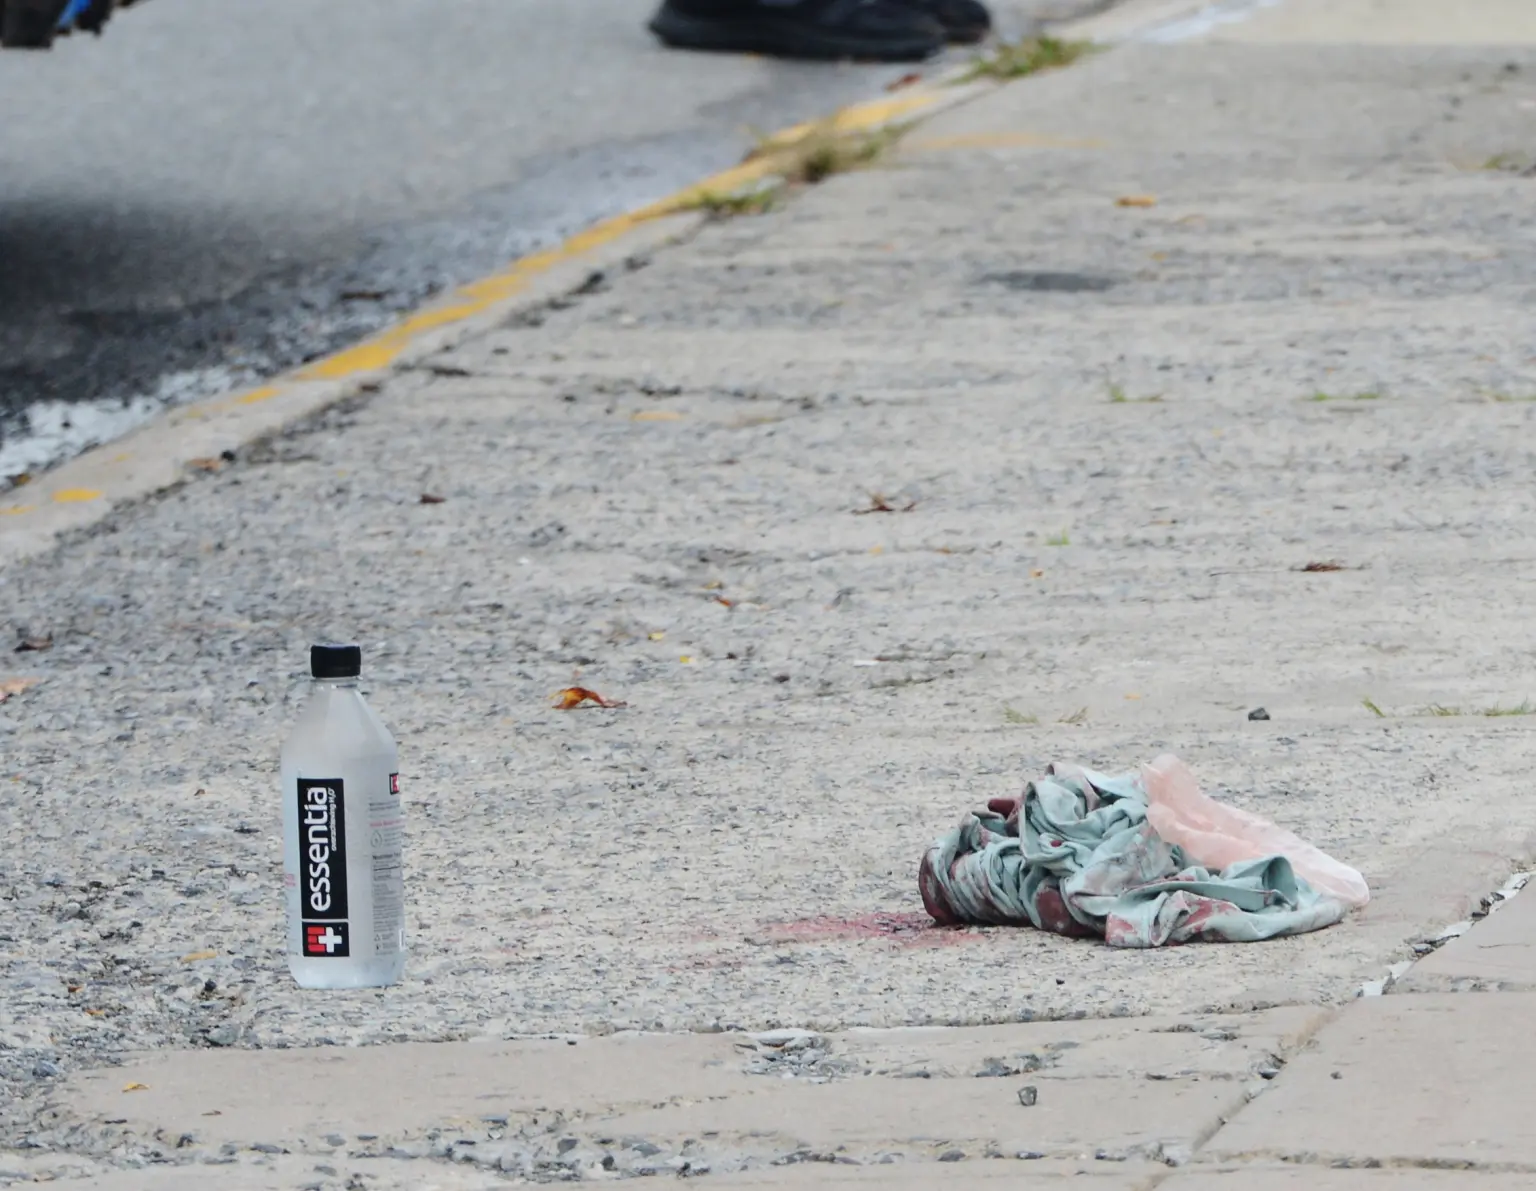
62,429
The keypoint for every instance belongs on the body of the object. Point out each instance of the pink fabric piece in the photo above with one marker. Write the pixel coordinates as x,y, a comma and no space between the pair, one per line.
1216,835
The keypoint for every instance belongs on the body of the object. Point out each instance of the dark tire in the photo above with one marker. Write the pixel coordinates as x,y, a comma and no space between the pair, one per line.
29,24
789,34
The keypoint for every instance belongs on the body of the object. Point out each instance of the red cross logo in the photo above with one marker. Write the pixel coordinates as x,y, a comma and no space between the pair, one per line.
321,940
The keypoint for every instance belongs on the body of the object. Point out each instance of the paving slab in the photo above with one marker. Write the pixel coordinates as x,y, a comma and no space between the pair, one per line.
1402,1080
1387,22
1497,953
1111,1091
1030,1175
288,1173
269,1173
1324,1178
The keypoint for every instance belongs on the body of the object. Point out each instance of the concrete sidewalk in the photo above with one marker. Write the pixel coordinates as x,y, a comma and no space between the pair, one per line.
1124,431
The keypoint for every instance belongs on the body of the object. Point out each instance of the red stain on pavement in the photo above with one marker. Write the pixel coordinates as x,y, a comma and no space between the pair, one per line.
909,930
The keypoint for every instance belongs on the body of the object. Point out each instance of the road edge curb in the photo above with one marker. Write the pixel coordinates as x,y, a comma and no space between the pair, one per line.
183,441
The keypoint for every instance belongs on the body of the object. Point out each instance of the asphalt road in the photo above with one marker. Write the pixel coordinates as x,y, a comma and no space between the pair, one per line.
215,191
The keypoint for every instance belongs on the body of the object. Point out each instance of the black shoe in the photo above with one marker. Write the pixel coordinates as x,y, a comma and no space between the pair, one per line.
29,24
883,30
965,22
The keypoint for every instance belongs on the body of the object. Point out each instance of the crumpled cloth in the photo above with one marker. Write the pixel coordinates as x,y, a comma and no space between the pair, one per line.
1077,856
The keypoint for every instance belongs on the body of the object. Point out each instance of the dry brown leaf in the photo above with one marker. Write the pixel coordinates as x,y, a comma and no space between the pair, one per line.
576,696
905,80
1136,200
95,1012
195,956
725,603
1315,568
428,498
14,686
135,1087
881,504
656,415
206,463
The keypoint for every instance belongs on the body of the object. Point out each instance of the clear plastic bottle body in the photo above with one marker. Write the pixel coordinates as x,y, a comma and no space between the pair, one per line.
342,855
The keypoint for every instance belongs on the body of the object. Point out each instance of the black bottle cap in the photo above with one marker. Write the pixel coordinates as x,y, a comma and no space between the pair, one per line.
335,661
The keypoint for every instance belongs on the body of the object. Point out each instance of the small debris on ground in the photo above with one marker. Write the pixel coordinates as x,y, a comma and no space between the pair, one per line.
1258,713
1000,1068
1029,1095
1136,200
34,643
577,696
1318,568
431,498
10,687
879,503
794,1054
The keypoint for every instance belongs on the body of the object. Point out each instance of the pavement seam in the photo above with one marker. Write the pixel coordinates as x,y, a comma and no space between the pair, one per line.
1489,906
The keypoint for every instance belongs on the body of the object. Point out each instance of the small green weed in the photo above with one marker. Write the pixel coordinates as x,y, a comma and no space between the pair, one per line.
1372,708
811,156
1440,710
1014,60
1014,716
1058,539
1080,716
826,149
1367,395
1510,163
756,201
1118,396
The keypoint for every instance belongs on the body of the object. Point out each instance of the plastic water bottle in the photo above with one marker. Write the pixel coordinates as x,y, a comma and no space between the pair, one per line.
342,825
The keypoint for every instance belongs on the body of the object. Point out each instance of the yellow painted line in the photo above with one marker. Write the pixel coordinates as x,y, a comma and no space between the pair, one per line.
256,396
476,297
857,117
386,347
